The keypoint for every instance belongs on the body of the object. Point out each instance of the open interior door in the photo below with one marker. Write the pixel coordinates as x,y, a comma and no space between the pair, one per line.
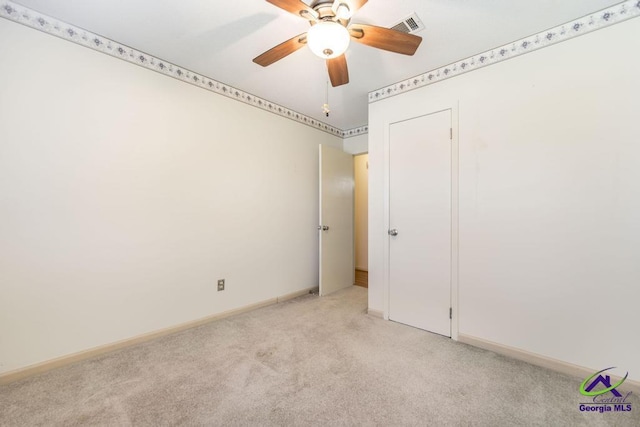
336,220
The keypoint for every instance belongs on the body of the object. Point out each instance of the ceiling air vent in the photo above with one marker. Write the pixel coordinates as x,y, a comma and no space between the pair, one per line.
411,24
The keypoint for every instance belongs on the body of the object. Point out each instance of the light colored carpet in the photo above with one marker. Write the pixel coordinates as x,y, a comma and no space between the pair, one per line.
309,361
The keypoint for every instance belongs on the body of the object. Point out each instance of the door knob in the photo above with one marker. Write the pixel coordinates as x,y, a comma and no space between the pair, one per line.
393,232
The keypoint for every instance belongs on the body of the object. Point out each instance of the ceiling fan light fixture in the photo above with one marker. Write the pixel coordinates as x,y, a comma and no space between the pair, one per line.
328,39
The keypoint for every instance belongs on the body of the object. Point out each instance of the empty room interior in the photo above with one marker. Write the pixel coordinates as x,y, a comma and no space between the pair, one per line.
319,212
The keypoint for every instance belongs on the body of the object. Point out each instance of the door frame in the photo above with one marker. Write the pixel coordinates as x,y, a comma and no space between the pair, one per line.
455,173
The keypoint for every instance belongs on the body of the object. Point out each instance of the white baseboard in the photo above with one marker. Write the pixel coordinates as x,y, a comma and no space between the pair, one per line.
297,294
542,361
18,374
375,313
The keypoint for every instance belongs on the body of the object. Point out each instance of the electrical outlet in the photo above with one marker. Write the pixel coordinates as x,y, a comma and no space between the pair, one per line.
220,285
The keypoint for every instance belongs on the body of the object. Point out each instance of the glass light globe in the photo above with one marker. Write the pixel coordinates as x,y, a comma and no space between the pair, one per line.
328,39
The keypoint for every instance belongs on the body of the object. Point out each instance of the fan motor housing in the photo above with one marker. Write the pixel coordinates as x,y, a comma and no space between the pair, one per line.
317,3
325,12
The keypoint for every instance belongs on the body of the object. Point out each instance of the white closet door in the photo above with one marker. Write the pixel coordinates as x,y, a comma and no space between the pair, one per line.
420,214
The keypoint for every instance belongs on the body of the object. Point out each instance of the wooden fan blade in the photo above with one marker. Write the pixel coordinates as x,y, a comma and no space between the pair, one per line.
354,5
384,38
338,71
283,49
297,7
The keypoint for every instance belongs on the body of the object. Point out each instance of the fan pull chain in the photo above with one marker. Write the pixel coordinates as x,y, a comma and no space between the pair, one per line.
325,106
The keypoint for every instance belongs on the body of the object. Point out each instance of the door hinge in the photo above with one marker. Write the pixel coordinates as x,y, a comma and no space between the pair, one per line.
450,313
451,134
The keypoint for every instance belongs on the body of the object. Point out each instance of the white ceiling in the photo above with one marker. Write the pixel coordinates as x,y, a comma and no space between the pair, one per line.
219,39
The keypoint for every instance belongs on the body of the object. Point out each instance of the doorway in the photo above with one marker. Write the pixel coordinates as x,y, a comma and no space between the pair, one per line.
361,219
343,229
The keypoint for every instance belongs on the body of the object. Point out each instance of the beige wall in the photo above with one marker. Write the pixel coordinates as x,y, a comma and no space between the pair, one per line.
549,198
356,144
125,195
361,211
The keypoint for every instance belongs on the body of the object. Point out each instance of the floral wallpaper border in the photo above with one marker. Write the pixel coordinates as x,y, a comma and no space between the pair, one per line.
604,18
42,22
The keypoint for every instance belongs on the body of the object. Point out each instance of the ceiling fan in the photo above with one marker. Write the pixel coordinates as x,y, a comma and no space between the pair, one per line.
330,33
